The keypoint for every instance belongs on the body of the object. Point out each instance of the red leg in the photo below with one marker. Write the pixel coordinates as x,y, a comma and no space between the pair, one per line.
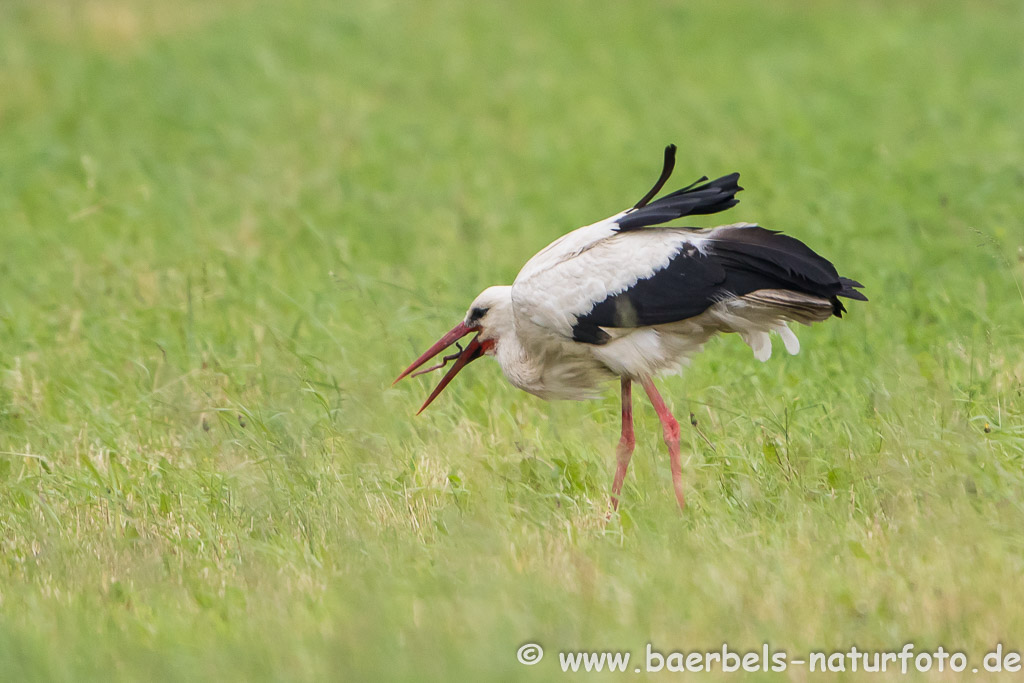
670,428
627,442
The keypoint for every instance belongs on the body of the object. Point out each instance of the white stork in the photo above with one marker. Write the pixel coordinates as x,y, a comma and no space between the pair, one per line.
628,297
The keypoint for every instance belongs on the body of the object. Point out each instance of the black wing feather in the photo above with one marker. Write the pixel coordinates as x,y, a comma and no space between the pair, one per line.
666,173
712,197
848,289
717,195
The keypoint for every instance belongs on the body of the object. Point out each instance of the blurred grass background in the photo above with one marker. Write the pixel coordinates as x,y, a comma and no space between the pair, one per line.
224,228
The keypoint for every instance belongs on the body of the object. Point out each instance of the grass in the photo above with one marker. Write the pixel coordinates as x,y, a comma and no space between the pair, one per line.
225,228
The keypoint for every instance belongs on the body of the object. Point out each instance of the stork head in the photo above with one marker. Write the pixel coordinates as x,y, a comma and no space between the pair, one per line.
490,317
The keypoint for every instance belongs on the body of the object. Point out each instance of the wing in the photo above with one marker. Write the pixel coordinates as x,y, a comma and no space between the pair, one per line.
664,275
724,263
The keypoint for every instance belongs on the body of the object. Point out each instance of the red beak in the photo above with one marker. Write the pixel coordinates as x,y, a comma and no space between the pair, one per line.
473,350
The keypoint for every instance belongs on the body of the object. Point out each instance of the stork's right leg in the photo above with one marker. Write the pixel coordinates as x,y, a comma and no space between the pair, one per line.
670,428
627,442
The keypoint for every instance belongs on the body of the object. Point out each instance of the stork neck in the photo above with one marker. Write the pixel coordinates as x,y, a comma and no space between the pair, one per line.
516,363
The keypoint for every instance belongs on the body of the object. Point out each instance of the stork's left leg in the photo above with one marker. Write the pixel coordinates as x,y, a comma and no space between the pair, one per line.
670,428
627,442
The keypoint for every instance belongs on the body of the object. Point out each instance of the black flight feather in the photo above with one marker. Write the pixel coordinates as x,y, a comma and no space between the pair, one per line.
848,289
775,253
666,172
712,197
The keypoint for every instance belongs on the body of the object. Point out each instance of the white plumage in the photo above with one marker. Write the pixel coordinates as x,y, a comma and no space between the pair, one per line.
628,299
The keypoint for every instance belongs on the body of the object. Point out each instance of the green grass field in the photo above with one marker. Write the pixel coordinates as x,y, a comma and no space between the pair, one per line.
226,227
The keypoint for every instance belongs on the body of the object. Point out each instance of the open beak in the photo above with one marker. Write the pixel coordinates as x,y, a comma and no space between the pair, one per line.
473,350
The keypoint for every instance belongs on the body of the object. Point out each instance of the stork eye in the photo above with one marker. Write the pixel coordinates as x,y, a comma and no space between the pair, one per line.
478,313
